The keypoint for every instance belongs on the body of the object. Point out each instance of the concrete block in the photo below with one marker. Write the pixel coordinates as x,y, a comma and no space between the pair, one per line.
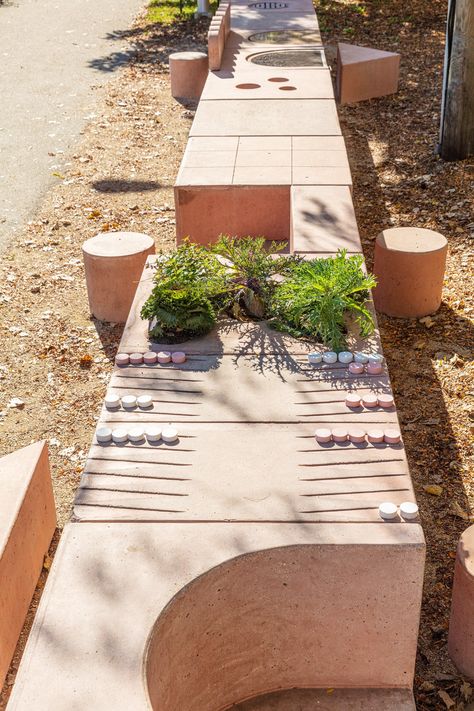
188,73
365,73
27,524
461,625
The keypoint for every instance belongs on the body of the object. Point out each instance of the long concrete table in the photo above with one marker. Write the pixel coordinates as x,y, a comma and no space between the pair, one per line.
246,559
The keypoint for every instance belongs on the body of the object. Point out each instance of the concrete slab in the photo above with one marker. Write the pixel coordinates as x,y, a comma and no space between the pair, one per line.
181,616
243,38
255,82
251,117
259,21
365,73
28,521
323,219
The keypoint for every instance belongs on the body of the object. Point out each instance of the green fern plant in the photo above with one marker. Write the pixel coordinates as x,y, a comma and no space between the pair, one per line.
319,294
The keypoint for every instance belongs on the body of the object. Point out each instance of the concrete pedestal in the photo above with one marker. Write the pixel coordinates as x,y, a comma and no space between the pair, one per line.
461,626
113,263
188,73
409,266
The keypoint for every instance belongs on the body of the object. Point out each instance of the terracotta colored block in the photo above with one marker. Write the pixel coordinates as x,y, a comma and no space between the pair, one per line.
281,118
365,73
461,624
409,266
323,219
224,597
113,264
28,521
188,73
232,210
337,699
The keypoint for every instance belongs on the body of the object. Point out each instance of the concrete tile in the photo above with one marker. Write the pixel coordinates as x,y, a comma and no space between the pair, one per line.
263,175
318,143
321,175
310,158
263,158
273,118
264,143
323,219
205,176
209,159
212,143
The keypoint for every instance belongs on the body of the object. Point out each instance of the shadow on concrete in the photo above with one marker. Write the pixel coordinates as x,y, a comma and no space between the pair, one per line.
125,186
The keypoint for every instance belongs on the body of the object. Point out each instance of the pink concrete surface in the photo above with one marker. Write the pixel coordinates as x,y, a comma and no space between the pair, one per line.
365,73
409,265
28,521
302,117
323,220
113,264
201,616
188,74
231,84
461,625
233,210
331,700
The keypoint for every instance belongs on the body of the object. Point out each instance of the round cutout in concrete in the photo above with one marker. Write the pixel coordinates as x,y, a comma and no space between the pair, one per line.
247,86
287,88
278,79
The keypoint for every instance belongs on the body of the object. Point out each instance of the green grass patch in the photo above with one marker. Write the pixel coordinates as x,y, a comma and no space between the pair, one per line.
167,12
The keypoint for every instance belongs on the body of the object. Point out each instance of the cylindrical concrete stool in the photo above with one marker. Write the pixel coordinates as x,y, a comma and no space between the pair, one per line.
114,263
461,625
188,72
409,266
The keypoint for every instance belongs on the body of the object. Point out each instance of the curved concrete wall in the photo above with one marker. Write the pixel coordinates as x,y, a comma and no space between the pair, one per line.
299,616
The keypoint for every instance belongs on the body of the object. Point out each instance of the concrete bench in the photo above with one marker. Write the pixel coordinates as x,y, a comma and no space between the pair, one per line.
219,30
365,73
27,524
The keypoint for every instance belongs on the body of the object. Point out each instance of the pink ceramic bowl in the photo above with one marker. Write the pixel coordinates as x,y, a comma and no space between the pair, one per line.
323,435
339,434
352,400
122,359
385,401
356,435
392,436
375,436
369,400
150,358
356,368
136,358
164,357
374,368
178,357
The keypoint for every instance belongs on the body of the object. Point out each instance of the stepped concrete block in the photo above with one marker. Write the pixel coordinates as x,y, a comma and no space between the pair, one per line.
409,265
28,521
365,73
188,73
323,219
199,616
113,264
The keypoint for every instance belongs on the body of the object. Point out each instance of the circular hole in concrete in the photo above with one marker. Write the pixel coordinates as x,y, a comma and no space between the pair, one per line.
247,86
287,88
278,79
289,58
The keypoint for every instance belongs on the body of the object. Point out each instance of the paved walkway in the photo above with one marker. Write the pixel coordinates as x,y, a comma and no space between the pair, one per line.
52,55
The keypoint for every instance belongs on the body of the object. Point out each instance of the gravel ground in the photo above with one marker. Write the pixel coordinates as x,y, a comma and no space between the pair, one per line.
57,360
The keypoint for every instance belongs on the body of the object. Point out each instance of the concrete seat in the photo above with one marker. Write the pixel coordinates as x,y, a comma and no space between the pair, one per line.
219,30
27,524
409,266
461,625
113,264
365,73
188,74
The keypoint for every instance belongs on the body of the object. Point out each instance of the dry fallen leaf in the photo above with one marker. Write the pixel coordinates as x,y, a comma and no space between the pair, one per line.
86,361
446,698
433,489
47,562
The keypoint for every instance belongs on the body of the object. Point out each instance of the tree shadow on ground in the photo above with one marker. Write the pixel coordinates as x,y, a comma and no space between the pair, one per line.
125,186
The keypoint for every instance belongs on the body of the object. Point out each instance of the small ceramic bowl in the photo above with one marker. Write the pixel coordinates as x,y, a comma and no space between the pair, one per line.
315,358
136,358
330,357
112,402
129,402
164,357
369,400
144,401
122,359
352,400
323,435
408,510
119,435
392,436
360,357
104,435
356,368
385,400
345,357
150,358
356,435
153,433
375,358
136,434
374,368
375,436
339,434
178,357
388,511
169,434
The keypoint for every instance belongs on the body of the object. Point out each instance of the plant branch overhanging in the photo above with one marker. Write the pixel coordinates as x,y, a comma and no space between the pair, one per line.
246,279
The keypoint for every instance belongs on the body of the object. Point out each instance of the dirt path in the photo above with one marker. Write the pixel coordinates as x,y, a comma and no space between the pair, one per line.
54,56
121,177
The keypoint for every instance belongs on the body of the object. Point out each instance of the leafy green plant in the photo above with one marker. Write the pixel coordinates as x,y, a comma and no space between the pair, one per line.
317,297
251,268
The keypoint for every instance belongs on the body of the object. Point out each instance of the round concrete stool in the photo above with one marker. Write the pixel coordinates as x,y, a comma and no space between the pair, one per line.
188,72
409,266
461,624
114,263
